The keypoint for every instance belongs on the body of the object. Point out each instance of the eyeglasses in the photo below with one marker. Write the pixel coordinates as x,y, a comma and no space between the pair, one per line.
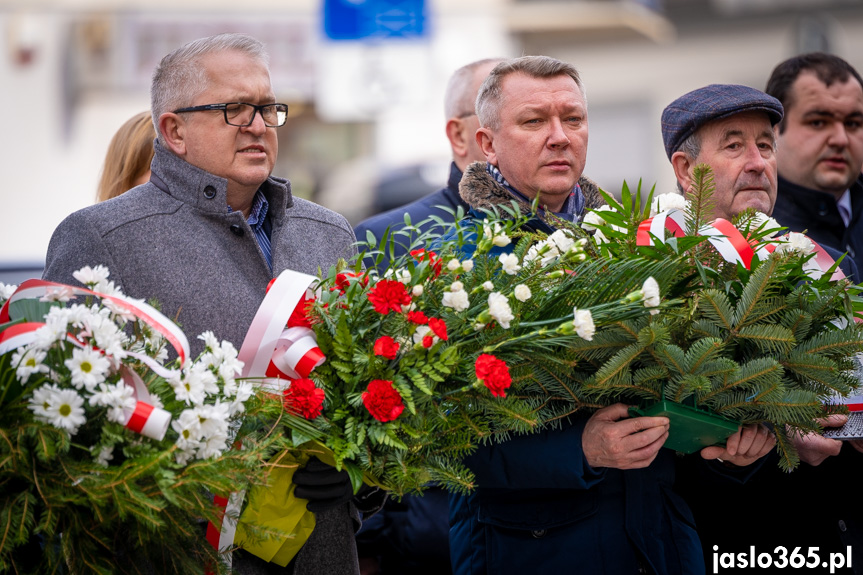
242,115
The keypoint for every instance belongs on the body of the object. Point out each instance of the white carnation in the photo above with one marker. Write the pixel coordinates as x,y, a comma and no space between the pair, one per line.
467,265
650,289
509,263
498,307
457,300
583,322
665,202
795,242
522,292
488,286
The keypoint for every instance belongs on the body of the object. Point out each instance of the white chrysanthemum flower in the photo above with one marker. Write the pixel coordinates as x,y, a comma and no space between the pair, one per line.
66,410
498,307
230,368
522,292
488,286
91,276
213,446
6,291
417,290
245,390
650,289
467,265
795,242
58,293
29,361
107,288
183,456
88,368
117,397
213,419
188,427
582,319
106,454
40,403
509,263
453,265
190,390
211,342
110,338
456,286
207,379
498,238
665,202
457,300
119,312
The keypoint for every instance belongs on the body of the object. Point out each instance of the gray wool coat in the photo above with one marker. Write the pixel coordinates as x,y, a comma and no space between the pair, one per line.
172,239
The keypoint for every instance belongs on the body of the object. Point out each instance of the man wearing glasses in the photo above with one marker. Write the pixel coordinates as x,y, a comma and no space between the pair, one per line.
211,228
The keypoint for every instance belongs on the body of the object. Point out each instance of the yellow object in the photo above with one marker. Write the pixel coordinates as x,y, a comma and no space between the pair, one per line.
275,523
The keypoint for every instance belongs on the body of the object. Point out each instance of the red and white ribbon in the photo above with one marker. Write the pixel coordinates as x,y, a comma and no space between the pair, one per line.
34,288
728,241
145,418
270,349
18,335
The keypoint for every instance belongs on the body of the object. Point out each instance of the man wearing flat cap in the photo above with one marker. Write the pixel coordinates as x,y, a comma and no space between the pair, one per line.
730,128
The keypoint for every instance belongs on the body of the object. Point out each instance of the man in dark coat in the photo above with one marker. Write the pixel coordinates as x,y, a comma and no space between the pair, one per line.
208,232
730,128
597,495
461,127
821,150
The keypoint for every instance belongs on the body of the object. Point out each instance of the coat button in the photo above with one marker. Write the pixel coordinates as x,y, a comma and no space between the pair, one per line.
237,230
209,192
539,533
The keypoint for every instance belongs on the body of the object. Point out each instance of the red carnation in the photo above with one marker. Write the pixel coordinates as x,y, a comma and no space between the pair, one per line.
438,327
428,341
494,373
300,316
303,398
417,317
433,260
382,400
389,295
343,280
387,347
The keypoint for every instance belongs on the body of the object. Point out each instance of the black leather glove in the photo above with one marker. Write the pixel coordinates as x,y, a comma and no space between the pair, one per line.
322,485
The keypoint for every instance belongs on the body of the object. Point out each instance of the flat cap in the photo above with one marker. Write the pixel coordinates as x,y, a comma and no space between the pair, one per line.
685,115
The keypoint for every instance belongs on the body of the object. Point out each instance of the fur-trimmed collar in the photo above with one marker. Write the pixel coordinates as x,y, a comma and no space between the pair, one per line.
481,191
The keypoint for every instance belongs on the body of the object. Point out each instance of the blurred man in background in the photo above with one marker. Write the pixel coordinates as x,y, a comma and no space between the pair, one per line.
461,127
412,535
821,150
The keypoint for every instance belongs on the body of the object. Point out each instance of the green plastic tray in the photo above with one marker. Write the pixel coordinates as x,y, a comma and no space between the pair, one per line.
691,429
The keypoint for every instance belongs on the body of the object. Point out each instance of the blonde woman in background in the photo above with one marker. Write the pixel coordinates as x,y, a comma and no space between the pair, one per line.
127,163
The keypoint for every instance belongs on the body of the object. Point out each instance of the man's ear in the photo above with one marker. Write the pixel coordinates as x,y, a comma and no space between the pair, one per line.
173,130
485,141
457,135
682,170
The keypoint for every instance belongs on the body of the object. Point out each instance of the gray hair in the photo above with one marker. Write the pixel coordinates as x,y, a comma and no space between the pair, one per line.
488,100
459,98
179,78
